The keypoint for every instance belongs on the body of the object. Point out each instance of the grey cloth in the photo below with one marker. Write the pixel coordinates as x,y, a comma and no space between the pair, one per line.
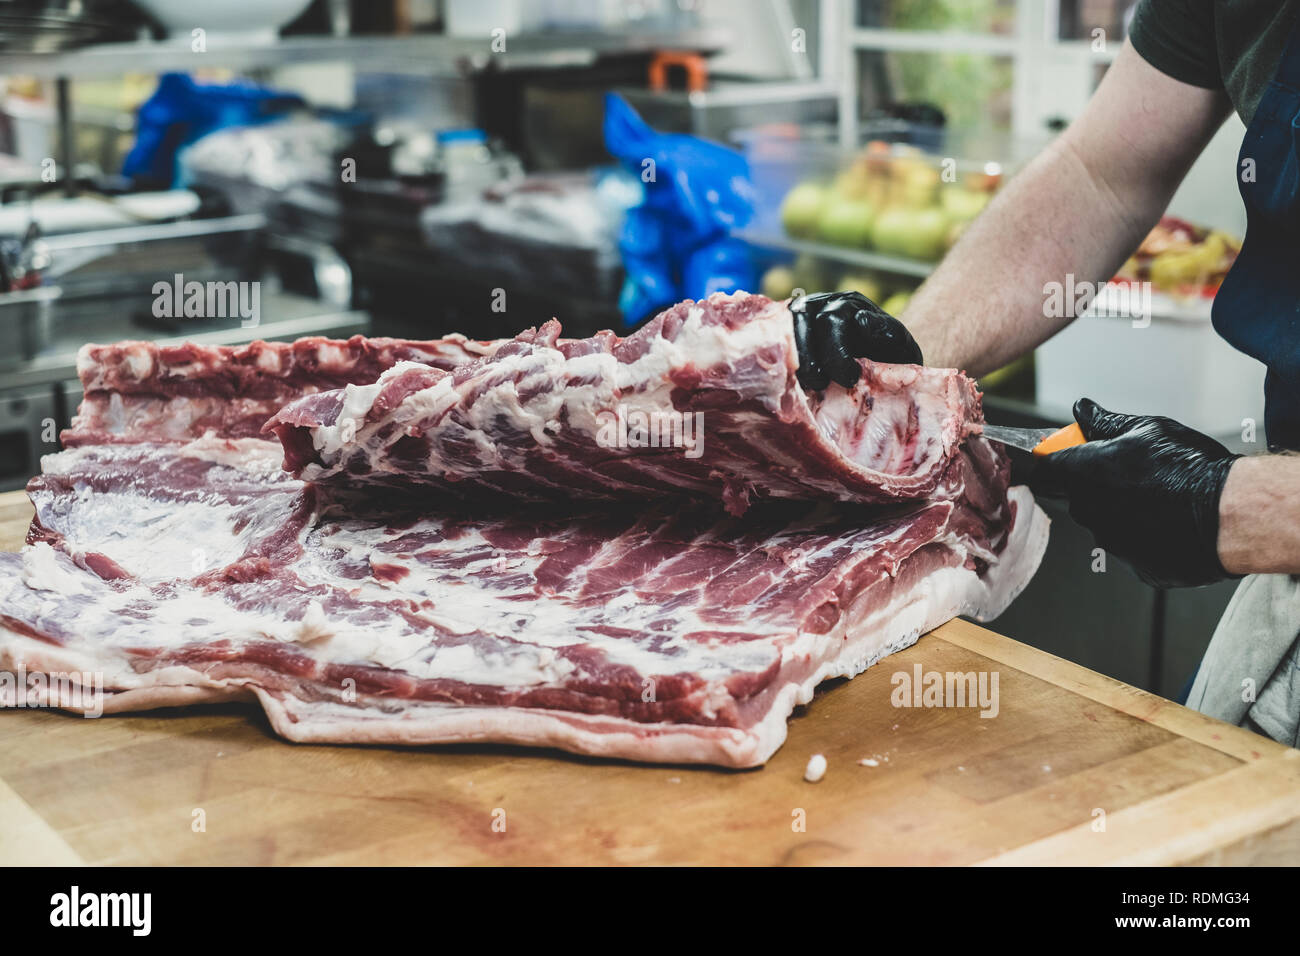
1250,674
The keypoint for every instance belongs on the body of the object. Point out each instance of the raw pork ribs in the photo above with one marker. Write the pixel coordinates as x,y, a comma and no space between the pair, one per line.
459,552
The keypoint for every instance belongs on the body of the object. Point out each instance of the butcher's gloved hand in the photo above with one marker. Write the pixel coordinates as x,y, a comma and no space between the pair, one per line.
1147,488
833,329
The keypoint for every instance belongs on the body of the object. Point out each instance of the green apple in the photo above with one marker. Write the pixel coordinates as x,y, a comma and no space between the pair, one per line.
962,204
801,209
916,182
916,233
778,282
847,184
867,285
890,225
847,223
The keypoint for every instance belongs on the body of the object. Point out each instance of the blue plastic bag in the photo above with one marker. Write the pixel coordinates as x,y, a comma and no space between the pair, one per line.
677,244
181,111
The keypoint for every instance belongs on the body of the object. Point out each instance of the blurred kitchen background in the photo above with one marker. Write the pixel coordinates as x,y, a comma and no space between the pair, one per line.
418,167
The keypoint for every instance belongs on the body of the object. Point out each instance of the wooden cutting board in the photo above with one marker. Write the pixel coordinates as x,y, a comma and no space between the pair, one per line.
1075,768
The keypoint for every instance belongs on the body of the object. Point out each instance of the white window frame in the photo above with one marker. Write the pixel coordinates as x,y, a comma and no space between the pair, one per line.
1051,77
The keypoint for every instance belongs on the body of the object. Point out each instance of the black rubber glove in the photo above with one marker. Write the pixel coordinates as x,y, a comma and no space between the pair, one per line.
832,329
1147,488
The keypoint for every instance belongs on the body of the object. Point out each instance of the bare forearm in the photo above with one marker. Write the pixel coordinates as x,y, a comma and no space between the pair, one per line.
1079,209
985,305
1259,516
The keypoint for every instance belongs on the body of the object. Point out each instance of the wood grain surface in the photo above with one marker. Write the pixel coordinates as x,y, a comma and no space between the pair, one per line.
1075,768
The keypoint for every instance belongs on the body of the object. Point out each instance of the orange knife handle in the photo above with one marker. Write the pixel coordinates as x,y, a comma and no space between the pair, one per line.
1067,437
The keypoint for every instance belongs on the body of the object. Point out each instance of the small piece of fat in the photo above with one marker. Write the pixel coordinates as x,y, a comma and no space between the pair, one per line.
869,762
816,768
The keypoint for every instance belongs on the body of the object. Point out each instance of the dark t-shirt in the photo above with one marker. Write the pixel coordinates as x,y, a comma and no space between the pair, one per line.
1232,45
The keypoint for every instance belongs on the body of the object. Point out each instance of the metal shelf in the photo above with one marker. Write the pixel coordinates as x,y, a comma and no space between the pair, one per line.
858,257
293,316
424,53
933,41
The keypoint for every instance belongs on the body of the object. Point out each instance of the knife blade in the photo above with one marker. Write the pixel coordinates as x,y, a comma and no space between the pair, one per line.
1039,441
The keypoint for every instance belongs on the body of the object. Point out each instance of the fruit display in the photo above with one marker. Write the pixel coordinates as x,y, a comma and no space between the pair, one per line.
918,233
813,274
801,209
891,199
1182,259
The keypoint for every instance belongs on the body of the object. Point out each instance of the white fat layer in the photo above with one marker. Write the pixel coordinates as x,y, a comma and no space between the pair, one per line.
43,572
139,364
253,455
159,539
165,419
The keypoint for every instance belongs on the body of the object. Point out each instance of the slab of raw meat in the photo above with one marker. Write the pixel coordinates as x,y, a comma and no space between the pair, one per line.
678,635
142,391
542,417
173,555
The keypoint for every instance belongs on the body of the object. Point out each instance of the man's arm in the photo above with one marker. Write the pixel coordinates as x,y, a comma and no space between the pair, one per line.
1259,516
1081,207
